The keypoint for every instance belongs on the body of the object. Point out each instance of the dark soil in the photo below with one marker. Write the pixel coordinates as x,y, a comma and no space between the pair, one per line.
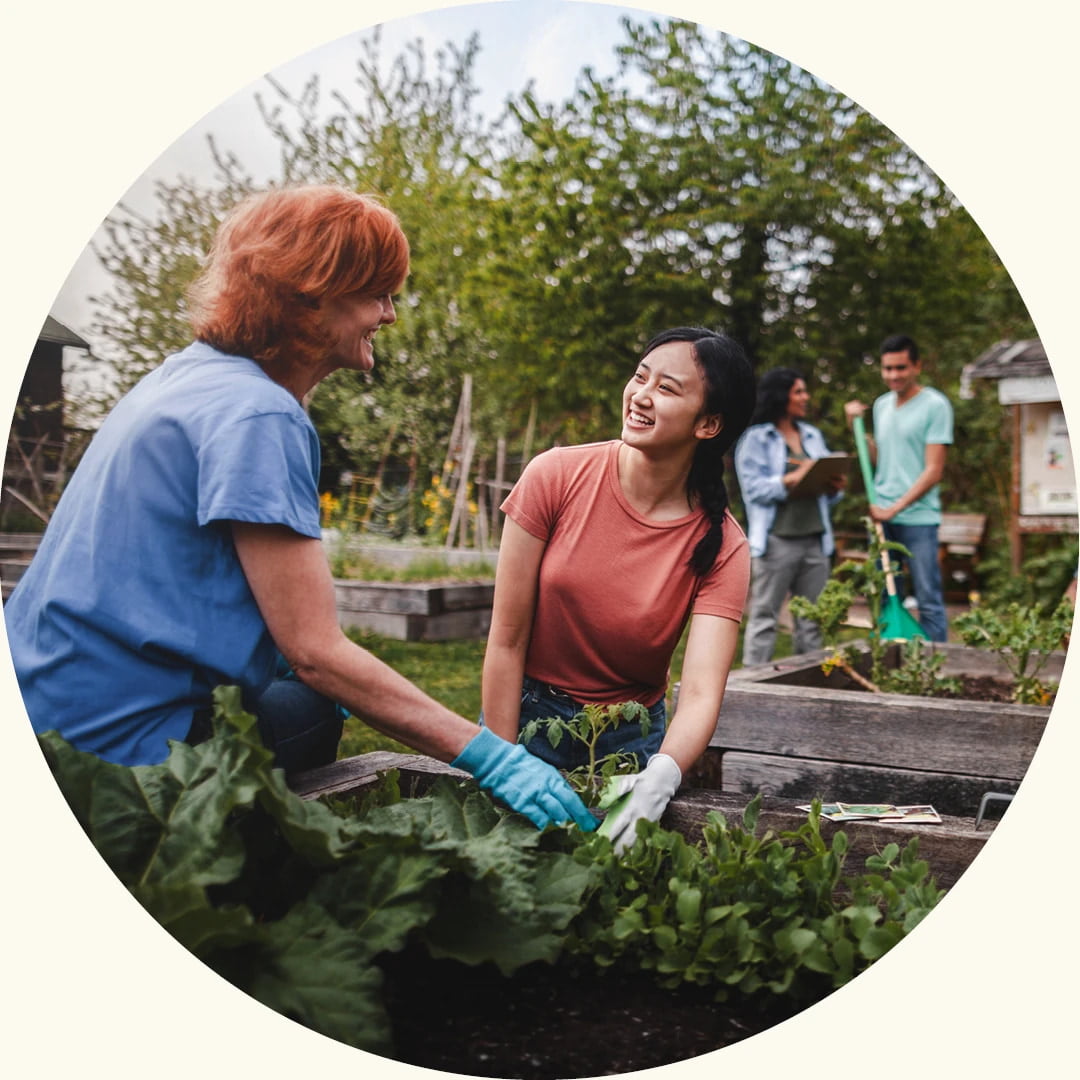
983,688
553,1022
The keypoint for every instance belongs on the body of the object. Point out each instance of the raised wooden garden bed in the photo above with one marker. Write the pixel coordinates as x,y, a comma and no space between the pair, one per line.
788,730
948,847
426,611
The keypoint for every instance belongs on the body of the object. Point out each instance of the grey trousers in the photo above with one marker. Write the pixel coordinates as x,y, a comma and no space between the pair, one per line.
792,566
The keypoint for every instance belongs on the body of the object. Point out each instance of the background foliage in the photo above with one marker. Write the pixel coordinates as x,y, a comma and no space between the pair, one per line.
708,181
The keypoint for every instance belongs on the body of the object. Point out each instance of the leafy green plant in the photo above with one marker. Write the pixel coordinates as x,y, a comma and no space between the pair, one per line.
295,902
1043,577
919,672
1023,636
586,727
747,913
830,611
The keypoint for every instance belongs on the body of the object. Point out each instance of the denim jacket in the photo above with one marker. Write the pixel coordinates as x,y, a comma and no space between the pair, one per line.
760,463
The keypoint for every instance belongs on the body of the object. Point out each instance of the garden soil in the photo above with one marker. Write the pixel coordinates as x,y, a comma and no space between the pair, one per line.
552,1023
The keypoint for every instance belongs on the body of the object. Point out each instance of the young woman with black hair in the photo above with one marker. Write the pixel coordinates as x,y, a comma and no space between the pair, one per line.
608,549
791,539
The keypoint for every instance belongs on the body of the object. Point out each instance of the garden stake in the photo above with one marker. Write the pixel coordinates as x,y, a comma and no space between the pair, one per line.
896,623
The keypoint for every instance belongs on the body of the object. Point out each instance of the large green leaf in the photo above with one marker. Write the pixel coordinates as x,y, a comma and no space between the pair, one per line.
312,970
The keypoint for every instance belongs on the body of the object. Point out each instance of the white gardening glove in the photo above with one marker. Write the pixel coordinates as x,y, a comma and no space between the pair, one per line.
649,793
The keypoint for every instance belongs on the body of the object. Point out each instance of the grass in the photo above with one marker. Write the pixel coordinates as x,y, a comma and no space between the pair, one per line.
434,568
447,670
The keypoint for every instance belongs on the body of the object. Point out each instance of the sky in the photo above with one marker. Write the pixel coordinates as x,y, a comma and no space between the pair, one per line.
982,90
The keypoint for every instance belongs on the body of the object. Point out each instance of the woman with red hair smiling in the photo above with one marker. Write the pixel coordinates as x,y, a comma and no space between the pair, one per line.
185,552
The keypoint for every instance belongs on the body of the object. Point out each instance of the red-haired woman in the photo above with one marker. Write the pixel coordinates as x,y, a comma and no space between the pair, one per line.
185,552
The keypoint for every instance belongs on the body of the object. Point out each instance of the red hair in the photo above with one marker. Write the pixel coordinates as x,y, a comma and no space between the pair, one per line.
278,255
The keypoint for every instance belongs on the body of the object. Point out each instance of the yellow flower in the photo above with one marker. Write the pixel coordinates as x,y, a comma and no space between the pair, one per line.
328,505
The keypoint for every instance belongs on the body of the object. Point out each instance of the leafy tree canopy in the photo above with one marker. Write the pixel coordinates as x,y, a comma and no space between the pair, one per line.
708,181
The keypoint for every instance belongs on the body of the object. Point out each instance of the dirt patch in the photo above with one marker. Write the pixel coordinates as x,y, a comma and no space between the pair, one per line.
554,1022
982,688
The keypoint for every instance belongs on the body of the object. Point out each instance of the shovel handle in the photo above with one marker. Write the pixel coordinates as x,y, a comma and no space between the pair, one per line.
886,564
858,427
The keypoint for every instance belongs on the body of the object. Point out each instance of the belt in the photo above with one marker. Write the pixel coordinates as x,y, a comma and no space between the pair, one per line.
546,688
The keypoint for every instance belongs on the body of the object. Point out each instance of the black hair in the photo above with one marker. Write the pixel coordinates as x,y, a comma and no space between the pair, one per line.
900,343
729,392
774,393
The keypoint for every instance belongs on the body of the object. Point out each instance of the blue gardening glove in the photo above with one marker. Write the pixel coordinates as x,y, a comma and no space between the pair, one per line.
642,795
525,783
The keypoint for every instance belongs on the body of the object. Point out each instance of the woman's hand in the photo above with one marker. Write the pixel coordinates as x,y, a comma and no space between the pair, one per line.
525,783
795,476
650,791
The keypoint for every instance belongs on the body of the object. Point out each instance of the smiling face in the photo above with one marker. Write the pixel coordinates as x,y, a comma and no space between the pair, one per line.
351,322
798,400
900,373
664,401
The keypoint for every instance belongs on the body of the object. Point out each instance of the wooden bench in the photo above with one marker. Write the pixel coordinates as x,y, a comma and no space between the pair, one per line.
960,539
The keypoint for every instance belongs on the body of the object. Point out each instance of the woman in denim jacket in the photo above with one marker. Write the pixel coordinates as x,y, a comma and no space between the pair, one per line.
791,540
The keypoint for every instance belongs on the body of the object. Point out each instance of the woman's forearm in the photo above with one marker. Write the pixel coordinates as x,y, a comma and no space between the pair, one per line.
689,732
504,669
375,692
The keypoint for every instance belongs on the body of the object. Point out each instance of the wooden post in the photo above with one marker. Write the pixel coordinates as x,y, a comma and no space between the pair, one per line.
530,433
1016,554
376,484
497,494
481,506
459,516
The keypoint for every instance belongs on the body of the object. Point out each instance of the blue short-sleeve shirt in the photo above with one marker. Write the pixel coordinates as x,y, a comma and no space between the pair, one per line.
135,606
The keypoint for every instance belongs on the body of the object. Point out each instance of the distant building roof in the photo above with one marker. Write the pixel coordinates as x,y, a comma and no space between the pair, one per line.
57,332
1012,359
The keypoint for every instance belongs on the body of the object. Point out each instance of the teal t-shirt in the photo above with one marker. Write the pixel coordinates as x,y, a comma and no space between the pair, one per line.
902,434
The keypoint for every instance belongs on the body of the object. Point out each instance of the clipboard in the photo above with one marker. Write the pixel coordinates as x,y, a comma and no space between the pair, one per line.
816,480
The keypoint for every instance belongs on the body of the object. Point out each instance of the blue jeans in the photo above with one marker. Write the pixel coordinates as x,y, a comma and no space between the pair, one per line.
540,702
924,571
301,727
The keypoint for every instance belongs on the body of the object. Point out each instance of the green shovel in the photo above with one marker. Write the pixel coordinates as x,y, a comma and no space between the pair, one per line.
896,622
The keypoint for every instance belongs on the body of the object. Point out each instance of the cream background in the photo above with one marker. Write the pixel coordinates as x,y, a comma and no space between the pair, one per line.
982,91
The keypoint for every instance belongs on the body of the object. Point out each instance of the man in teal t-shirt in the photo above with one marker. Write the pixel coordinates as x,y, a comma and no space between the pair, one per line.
913,426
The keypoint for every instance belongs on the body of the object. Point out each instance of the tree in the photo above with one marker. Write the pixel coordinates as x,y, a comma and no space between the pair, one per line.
708,181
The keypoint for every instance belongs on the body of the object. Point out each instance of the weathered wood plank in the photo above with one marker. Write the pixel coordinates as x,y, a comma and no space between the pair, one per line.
353,774
386,596
421,598
893,730
466,596
449,626
803,779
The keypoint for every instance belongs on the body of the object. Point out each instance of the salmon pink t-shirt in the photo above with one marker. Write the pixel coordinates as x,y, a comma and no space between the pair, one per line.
615,591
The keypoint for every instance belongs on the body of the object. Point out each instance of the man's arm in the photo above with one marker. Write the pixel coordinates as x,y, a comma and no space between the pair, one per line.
857,408
933,470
